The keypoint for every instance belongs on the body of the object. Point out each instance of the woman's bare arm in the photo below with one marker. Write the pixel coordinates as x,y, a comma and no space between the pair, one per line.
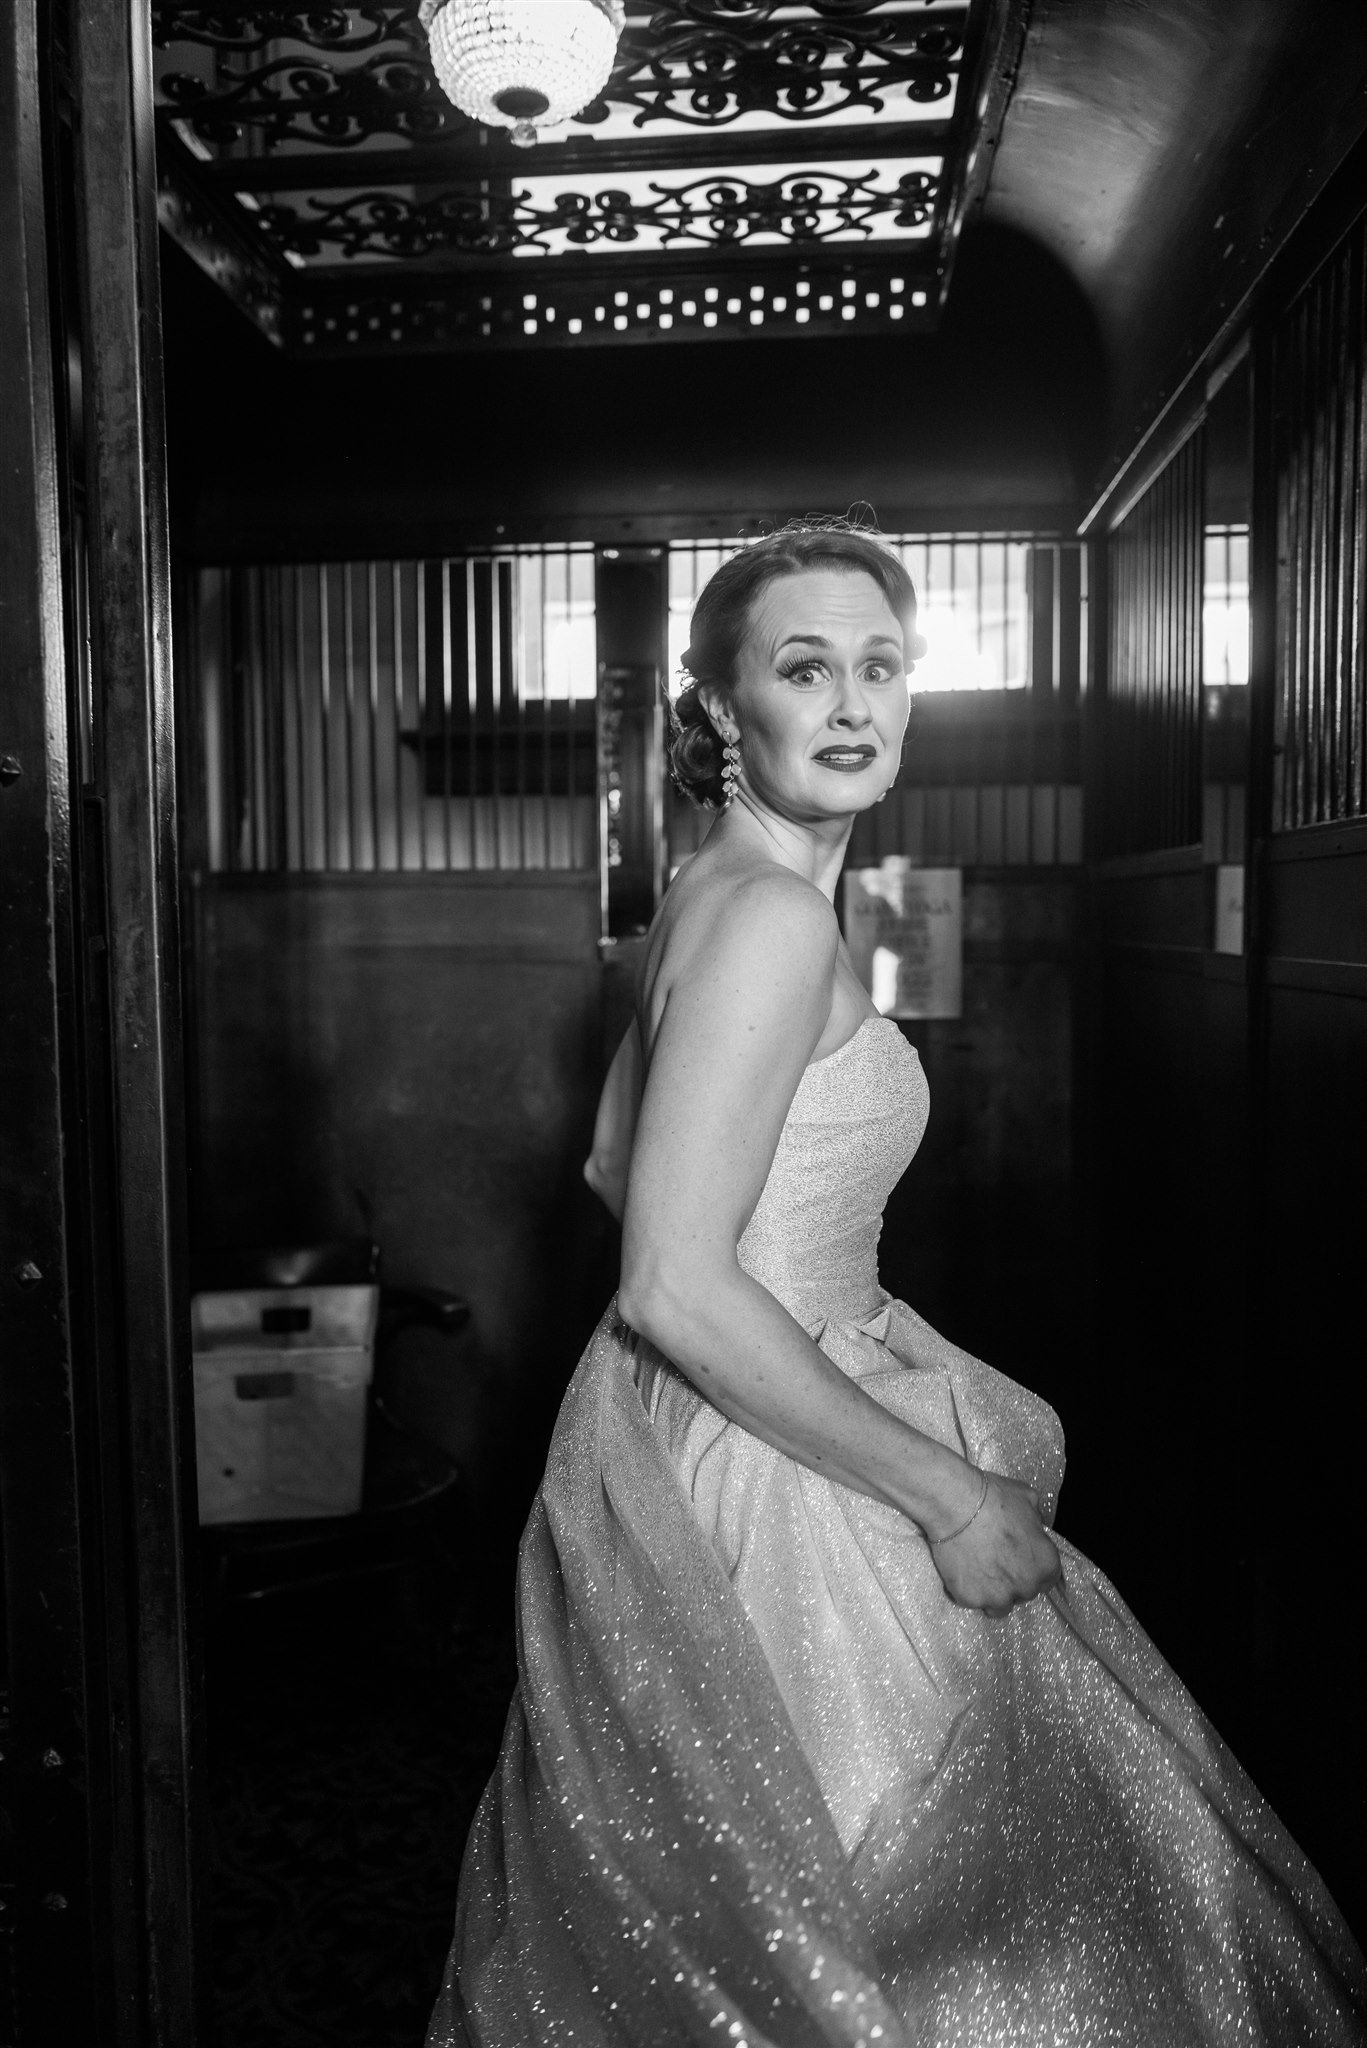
728,1055
731,1045
606,1167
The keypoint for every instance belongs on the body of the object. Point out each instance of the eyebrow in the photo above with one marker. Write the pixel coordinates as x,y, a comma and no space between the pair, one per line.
820,640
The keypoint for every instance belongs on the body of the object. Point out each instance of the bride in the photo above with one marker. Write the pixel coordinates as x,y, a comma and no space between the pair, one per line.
822,1735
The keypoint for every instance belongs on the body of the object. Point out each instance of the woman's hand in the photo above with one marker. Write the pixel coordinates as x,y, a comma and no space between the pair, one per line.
1004,1557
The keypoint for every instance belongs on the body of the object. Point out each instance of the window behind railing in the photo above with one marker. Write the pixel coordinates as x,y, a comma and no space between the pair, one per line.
443,715
991,771
973,597
382,717
1224,691
1321,652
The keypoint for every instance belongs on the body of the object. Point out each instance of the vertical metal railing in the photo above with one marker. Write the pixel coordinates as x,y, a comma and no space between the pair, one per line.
375,717
1320,358
1152,727
1224,679
439,715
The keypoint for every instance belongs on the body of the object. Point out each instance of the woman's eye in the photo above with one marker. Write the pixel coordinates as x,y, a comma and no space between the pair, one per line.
880,672
808,675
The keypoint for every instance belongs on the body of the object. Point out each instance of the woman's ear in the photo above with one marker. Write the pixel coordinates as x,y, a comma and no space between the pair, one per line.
716,702
916,647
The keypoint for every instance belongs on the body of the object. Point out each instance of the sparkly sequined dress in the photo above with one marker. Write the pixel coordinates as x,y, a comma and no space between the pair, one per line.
763,1785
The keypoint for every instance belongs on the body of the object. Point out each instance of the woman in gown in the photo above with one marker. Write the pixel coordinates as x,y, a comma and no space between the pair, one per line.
821,1736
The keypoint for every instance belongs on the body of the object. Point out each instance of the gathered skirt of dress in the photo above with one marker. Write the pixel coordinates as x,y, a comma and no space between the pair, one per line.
764,1785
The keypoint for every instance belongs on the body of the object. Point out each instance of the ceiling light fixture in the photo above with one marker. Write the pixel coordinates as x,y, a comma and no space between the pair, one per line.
522,64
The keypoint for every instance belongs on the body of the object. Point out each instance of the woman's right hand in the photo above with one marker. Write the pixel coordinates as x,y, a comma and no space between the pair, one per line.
1004,1557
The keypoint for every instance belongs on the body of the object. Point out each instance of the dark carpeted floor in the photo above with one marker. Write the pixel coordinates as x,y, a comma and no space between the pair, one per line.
350,1735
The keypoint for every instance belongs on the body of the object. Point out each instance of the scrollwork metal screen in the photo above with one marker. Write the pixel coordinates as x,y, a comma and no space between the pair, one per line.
750,166
240,79
1321,639
1152,724
398,716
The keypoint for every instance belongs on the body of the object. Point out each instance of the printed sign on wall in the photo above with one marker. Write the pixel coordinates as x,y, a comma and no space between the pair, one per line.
904,927
1229,909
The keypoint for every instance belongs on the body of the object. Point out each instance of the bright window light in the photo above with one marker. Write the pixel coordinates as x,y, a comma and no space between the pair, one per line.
556,608
1224,607
973,604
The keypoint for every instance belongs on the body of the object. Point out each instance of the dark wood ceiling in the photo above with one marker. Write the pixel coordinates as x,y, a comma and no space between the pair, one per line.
1162,151
753,166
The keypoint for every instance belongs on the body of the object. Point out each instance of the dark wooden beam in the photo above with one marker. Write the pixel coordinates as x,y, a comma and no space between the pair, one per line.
791,148
987,79
217,234
646,269
575,305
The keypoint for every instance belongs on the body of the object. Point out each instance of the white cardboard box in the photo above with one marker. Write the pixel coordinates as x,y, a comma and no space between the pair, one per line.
281,1378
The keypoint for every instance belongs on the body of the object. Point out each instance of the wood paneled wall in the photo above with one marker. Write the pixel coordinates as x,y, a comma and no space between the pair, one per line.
417,1057
981,1234
1225,1110
1309,927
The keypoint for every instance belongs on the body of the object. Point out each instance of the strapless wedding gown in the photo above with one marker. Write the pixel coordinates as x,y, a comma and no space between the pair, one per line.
764,1786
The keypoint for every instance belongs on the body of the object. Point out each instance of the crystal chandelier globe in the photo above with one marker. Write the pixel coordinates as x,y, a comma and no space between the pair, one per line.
522,64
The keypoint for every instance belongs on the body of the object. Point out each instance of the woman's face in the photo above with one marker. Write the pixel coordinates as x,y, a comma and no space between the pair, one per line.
820,697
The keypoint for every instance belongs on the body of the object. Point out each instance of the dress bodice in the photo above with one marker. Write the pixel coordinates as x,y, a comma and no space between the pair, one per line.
854,1124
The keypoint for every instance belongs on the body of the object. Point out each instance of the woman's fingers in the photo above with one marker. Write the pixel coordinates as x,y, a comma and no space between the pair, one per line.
1006,1559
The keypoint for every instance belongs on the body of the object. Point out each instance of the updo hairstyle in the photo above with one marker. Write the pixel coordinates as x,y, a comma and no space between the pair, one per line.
721,617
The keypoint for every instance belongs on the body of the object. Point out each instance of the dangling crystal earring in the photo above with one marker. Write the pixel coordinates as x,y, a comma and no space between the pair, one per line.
730,770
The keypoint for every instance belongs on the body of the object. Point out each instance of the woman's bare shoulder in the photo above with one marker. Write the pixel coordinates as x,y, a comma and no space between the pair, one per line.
756,891
776,913
759,919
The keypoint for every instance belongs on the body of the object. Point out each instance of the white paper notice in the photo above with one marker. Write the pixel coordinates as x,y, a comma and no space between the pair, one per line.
904,927
1229,909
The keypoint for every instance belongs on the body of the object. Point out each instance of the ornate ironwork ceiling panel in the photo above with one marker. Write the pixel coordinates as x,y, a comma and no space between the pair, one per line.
311,163
721,210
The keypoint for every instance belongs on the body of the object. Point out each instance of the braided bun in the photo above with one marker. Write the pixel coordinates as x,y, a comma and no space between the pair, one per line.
695,750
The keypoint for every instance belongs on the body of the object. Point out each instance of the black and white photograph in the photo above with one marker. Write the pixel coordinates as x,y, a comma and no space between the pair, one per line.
683,1023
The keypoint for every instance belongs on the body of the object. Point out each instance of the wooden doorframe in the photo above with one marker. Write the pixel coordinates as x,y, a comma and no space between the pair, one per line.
96,1460
128,554
48,1924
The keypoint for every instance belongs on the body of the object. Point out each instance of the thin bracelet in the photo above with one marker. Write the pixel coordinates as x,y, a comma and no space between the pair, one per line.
936,1541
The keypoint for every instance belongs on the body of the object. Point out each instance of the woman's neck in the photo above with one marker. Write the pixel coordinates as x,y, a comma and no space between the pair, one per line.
814,849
